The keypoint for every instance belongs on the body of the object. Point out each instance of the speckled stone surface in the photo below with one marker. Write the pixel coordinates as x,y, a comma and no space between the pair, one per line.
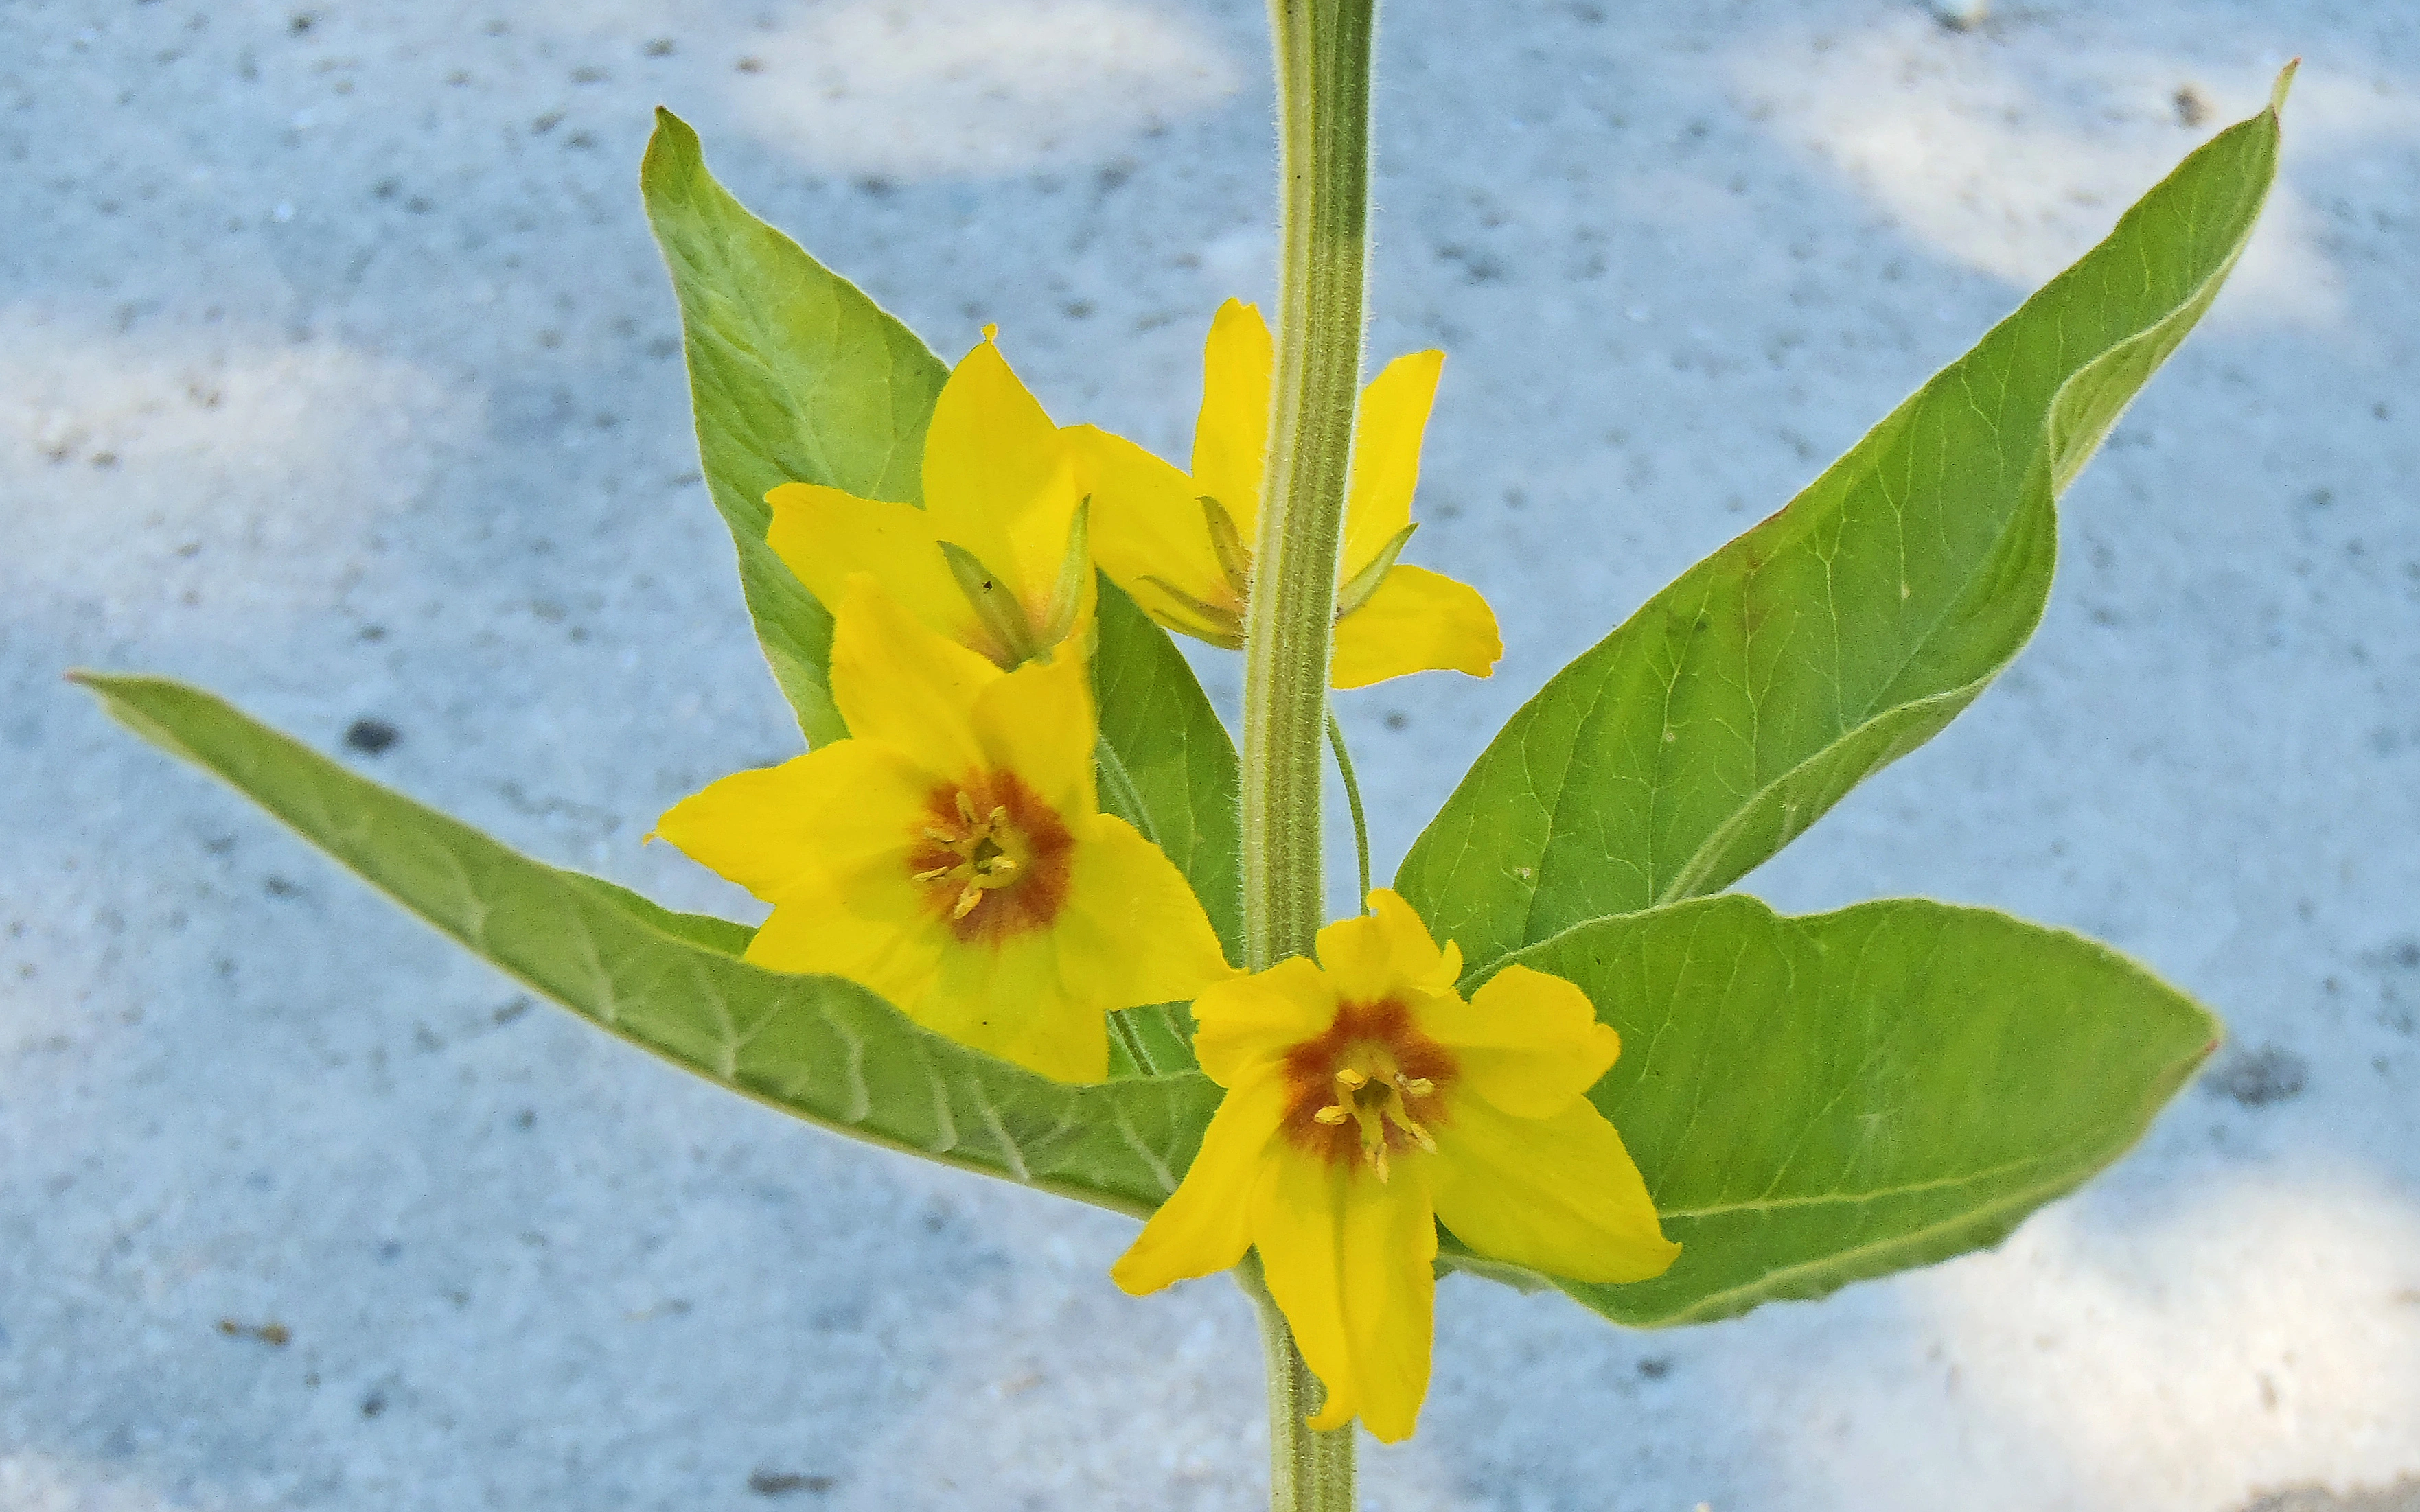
337,373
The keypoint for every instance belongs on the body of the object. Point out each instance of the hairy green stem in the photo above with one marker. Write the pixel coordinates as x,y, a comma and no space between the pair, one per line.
1322,49
1352,801
1323,68
1310,1471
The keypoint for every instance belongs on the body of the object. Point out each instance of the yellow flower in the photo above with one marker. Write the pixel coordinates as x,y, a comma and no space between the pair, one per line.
950,856
997,559
1182,545
1366,1104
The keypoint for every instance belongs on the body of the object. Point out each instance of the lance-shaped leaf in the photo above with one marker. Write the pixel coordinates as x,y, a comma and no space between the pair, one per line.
824,1049
1175,761
796,377
1749,696
1818,1101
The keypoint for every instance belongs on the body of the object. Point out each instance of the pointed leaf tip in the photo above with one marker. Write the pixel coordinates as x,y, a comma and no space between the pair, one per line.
2285,83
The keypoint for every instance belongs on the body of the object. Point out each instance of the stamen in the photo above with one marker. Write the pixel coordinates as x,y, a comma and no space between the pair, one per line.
1372,1094
981,866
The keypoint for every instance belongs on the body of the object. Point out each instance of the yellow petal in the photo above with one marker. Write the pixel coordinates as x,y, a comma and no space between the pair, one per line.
1418,621
1232,435
1529,1043
1147,524
1037,722
1348,1260
1206,1224
765,829
866,924
1014,1000
1560,1195
900,684
825,536
1244,1026
1131,931
999,480
1385,953
1387,432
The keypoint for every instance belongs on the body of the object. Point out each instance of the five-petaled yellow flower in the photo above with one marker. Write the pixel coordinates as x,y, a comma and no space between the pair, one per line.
997,559
1182,545
949,855
1366,1102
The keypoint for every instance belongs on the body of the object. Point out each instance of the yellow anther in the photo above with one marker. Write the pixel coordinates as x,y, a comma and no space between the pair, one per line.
1372,1095
982,866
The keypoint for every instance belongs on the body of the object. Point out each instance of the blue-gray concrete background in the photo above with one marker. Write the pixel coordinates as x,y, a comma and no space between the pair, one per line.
337,373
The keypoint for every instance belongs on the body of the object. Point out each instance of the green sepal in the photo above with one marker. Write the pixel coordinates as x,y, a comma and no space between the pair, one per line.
1359,588
997,609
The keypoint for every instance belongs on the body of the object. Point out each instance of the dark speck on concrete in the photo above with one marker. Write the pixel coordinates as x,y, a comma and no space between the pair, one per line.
371,736
2257,1078
786,1483
2403,1496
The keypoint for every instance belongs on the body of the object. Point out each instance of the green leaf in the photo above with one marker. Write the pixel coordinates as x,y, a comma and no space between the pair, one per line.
1818,1101
1170,765
824,1049
1745,700
795,377
1156,1041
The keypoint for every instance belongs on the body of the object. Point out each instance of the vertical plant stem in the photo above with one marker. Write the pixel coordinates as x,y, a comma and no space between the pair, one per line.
1323,75
1352,801
1321,50
1310,1471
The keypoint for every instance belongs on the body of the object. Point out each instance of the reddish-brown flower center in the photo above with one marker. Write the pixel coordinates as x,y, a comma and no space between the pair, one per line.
1369,1088
992,858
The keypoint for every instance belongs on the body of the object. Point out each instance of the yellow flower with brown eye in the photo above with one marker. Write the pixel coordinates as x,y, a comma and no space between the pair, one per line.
950,854
1367,1103
997,558
1183,545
